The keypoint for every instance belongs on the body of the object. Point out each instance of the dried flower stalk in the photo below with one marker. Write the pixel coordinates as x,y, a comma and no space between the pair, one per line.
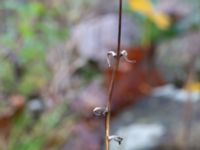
106,112
112,83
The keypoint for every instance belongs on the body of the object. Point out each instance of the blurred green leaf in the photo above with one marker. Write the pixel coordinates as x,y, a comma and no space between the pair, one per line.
34,80
7,77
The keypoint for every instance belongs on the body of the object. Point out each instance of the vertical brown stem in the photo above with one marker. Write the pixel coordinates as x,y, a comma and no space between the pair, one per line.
188,108
112,83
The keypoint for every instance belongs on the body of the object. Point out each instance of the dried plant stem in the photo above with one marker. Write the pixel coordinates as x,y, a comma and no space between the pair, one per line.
188,108
112,83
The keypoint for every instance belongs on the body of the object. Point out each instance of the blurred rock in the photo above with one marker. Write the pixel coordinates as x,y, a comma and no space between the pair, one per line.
175,8
94,37
171,92
168,119
105,6
139,136
175,55
36,107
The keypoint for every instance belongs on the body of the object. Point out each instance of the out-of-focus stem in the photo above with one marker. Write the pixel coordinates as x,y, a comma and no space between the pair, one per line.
112,83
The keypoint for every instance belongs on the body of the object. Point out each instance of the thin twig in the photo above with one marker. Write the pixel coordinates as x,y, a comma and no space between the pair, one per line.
188,107
112,83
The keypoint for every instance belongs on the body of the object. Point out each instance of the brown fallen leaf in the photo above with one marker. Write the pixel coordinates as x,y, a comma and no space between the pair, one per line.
135,81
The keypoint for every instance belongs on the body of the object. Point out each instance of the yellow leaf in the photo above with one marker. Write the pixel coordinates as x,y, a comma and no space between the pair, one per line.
142,6
145,7
161,20
193,86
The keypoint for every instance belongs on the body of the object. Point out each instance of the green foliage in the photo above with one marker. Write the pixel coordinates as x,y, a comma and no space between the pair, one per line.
31,28
19,128
23,139
7,76
26,134
34,79
152,33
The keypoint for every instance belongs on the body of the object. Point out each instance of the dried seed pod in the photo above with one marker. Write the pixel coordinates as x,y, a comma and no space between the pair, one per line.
110,53
99,111
124,54
116,138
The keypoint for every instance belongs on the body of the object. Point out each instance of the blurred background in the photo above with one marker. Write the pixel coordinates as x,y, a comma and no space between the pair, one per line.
53,72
